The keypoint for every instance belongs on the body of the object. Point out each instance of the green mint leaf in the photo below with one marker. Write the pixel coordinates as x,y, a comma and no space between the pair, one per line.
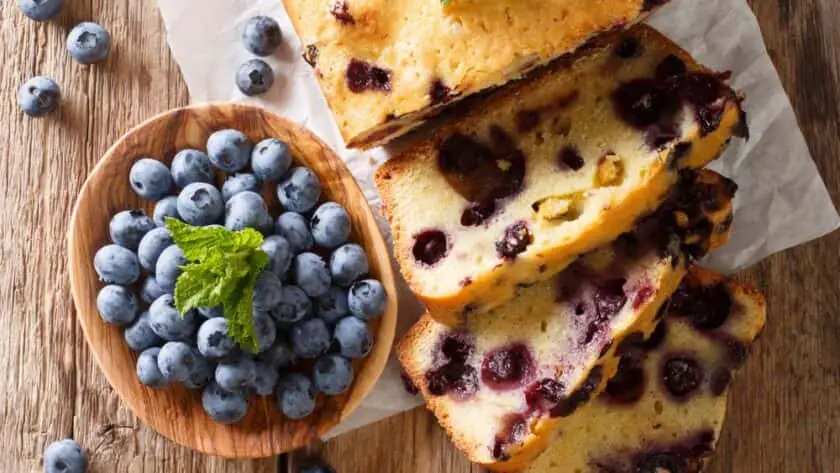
224,266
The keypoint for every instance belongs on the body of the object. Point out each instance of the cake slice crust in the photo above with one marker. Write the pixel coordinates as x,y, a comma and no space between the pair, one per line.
501,385
649,417
550,168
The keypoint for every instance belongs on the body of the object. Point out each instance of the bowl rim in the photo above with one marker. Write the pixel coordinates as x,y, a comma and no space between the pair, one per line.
374,364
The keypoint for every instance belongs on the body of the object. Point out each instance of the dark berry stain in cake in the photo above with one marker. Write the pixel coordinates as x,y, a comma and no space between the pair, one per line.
507,367
608,298
570,158
628,384
439,92
456,348
708,306
481,174
659,462
341,11
362,76
569,405
544,394
527,120
516,239
310,55
681,376
643,295
628,48
514,430
408,384
465,282
685,455
454,375
671,66
430,246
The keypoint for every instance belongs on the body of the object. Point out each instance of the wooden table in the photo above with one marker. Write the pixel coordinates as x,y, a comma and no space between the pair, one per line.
785,411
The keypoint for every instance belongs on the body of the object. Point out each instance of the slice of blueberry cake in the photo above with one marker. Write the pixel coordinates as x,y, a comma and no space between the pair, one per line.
503,384
665,409
551,168
385,66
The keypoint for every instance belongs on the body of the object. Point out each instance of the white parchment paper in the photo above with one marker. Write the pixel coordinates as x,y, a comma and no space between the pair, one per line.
782,200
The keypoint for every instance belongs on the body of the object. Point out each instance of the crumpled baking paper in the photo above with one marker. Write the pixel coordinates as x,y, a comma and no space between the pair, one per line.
782,200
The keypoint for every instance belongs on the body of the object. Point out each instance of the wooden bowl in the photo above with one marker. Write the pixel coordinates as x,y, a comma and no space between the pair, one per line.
176,412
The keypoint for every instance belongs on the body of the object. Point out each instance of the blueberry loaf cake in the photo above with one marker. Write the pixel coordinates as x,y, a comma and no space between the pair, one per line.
550,168
502,384
387,65
665,408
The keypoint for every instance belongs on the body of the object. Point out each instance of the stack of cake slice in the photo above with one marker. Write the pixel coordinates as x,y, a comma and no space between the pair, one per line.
548,222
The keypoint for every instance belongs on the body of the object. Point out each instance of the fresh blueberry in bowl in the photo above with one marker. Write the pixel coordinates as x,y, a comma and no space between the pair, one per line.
223,406
268,292
279,254
279,355
332,374
299,191
265,382
139,336
241,182
214,341
152,245
237,374
262,36
150,289
65,456
117,305
254,77
39,96
310,273
348,263
189,166
332,305
296,396
177,361
116,265
168,267
168,323
229,150
150,179
127,228
294,228
200,204
88,43
366,299
271,159
317,468
266,331
166,207
330,225
41,10
294,306
245,210
148,371
353,337
310,338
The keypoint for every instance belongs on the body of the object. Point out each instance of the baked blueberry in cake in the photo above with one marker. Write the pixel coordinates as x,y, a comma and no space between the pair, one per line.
664,410
502,384
550,168
387,65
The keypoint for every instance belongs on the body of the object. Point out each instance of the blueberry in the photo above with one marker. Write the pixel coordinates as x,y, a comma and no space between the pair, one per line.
211,312
267,292
150,290
254,77
262,36
189,166
116,305
214,341
332,375
167,322
347,264
353,337
150,179
279,355
299,191
293,227
245,210
166,207
39,96
148,371
310,273
88,43
295,396
330,225
317,468
168,267
294,305
266,380
65,456
310,338
201,376
140,336
367,299
128,227
241,182
265,329
116,265
271,159
41,10
177,361
152,245
236,375
200,204
223,406
279,255
229,150
332,305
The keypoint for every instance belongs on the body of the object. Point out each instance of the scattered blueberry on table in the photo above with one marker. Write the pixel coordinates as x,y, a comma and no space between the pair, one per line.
41,10
88,43
65,456
39,96
254,77
317,468
309,295
262,36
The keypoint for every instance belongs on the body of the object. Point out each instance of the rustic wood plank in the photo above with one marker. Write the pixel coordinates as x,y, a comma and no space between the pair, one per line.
52,388
784,407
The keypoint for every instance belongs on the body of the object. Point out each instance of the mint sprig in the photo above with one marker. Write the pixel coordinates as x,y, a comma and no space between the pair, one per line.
223,268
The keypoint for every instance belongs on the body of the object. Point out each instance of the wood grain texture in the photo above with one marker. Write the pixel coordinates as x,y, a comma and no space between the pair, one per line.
176,412
784,411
